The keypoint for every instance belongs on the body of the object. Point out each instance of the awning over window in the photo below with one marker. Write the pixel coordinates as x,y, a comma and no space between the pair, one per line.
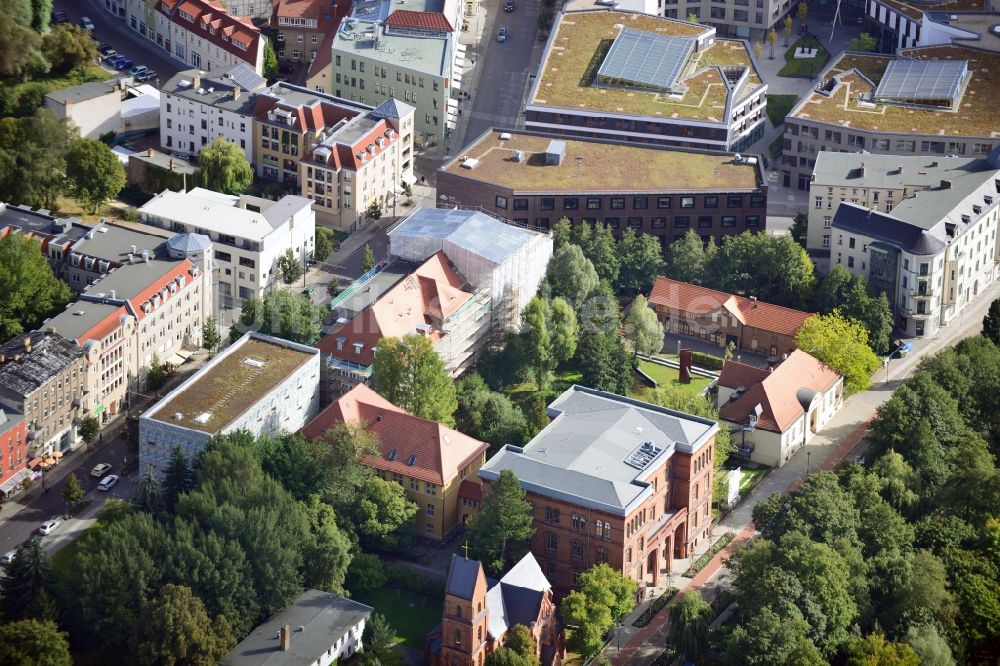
14,481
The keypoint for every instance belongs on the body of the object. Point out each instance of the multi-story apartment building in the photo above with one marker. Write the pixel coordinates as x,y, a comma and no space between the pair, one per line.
260,384
903,24
875,182
536,180
257,10
104,248
751,325
55,235
197,106
613,480
933,254
288,121
44,377
707,93
248,233
429,460
934,101
411,54
13,450
359,163
303,27
200,33
746,19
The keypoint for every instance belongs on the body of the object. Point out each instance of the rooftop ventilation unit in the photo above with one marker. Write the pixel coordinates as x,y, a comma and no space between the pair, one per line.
505,136
642,456
555,153
470,162
253,362
203,418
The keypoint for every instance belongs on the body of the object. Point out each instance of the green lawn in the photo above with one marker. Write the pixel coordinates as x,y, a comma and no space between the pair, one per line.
411,615
803,68
564,377
664,375
35,89
778,107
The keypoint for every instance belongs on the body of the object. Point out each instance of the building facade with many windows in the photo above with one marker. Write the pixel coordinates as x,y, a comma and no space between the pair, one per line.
13,450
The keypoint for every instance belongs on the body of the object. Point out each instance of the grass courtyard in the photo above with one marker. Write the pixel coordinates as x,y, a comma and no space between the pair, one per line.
410,614
778,107
804,68
667,376
522,394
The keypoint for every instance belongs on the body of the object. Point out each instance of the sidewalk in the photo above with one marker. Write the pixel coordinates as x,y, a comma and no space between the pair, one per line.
826,450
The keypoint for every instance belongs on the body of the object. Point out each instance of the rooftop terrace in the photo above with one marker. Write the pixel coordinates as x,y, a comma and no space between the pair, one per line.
237,380
599,167
582,39
976,114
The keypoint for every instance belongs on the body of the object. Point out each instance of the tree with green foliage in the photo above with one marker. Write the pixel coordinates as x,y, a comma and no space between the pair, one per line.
177,478
562,231
641,262
210,336
366,573
771,38
875,650
156,374
767,638
176,629
68,47
148,496
775,269
497,536
897,479
800,228
281,314
30,290
374,211
367,259
863,42
33,156
323,243
571,275
931,647
385,518
26,585
337,471
991,322
410,374
602,597
489,416
843,345
380,643
692,18
564,330
850,294
689,621
519,639
34,643
604,362
289,267
223,167
270,65
504,656
671,397
689,258
20,42
602,250
802,13
537,340
95,173
786,29
643,329
72,492
89,429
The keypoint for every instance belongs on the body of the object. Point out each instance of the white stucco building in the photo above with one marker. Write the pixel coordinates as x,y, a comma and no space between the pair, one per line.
95,107
249,234
261,384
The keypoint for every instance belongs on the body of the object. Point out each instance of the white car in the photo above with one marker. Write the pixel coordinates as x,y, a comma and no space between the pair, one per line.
8,557
48,527
86,23
100,469
108,482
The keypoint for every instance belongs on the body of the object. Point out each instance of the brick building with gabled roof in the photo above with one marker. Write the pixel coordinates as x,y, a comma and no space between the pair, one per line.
203,34
431,461
750,324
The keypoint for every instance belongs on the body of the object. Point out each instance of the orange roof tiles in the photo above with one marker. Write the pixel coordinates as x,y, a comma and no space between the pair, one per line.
688,297
438,453
432,21
778,393
208,17
105,327
431,292
158,285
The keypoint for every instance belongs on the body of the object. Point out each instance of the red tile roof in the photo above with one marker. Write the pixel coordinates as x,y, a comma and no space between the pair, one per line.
318,115
438,452
688,297
159,286
735,374
430,21
209,16
780,393
430,292
103,328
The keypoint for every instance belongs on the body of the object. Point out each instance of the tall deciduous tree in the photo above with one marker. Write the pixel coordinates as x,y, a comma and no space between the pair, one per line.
30,290
380,643
224,167
772,37
841,344
68,47
642,328
281,314
786,28
991,322
176,629
497,535
564,330
802,13
367,259
571,275
689,626
688,258
930,645
641,262
94,172
776,269
604,362
72,491
519,639
210,337
602,250
33,643
323,243
875,650
768,638
270,65
289,267
537,339
800,228
20,53
41,15
602,597
383,515
89,429
863,42
410,374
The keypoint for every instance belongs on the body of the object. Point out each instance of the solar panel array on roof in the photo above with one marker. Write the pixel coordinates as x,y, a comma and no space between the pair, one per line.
645,59
245,77
922,81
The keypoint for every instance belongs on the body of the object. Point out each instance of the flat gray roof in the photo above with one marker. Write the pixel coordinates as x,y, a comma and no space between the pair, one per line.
882,171
599,448
114,243
82,92
367,293
323,619
217,87
416,53
80,317
646,59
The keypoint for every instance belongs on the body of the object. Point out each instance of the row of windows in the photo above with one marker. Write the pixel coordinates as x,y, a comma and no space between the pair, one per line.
659,222
638,202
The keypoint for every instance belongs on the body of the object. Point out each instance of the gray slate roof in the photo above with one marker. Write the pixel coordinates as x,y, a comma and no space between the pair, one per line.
324,618
580,457
462,577
82,92
476,232
80,317
392,108
886,227
882,171
188,243
50,354
222,82
516,598
115,243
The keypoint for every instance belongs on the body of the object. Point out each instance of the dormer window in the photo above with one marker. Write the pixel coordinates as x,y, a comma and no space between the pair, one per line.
392,455
186,16
358,346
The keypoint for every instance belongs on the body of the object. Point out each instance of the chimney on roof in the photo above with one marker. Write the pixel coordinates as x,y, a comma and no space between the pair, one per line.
862,169
934,163
899,168
236,93
27,344
753,299
285,638
152,152
196,82
945,184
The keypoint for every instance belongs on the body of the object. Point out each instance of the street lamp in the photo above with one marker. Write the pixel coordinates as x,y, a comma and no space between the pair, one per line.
808,456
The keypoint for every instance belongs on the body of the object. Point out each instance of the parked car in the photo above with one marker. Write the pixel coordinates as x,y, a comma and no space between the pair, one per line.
103,48
183,156
59,17
509,6
137,70
123,64
502,35
32,540
100,469
147,75
86,23
114,59
48,527
108,482
8,557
